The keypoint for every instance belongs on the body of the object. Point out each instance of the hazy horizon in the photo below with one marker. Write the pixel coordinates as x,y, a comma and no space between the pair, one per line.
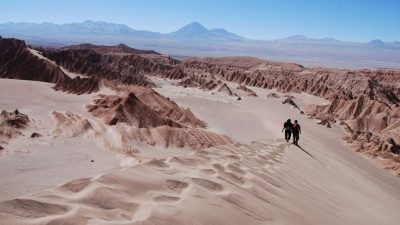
191,22
357,21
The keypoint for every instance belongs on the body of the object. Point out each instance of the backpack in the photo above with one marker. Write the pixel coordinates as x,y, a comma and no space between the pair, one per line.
287,126
295,127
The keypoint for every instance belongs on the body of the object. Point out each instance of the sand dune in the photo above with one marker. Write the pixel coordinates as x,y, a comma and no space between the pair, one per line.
264,182
233,181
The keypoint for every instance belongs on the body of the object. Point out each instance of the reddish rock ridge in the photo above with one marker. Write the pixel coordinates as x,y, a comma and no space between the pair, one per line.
149,100
365,101
209,84
78,85
166,107
244,63
122,49
247,90
114,63
129,110
116,49
152,119
17,62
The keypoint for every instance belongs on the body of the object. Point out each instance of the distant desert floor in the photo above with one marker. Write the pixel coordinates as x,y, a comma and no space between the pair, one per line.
261,179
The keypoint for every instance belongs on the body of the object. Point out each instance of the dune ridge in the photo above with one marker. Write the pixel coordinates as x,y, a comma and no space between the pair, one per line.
165,191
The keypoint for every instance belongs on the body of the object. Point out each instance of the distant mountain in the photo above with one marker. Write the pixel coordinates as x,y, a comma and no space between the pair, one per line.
304,39
195,30
91,29
376,43
85,28
195,39
297,38
381,44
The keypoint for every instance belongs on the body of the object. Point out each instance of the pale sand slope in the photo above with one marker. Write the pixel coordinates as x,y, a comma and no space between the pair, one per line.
263,182
29,165
349,184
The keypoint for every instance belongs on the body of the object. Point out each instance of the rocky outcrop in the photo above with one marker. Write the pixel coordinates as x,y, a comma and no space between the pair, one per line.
93,64
188,82
246,90
116,49
11,125
224,88
120,63
78,85
273,95
161,105
17,62
141,114
71,125
129,110
290,100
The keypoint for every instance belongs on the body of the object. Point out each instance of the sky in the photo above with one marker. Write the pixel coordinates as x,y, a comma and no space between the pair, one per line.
349,20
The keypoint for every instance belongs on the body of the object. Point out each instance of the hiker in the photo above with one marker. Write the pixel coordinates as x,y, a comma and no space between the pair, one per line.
287,126
296,129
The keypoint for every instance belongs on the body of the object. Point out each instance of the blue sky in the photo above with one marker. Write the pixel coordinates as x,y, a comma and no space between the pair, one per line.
352,20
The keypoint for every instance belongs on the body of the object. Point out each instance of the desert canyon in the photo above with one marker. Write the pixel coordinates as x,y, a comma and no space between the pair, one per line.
95,134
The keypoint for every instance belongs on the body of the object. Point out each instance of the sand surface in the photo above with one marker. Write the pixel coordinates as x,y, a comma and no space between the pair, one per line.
29,165
260,180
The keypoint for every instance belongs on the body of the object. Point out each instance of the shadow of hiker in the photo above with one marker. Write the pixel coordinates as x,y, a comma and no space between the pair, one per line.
309,154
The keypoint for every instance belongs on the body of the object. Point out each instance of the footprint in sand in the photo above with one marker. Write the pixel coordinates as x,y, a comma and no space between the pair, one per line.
166,198
76,185
176,185
232,177
32,209
236,169
235,157
208,184
218,167
156,163
207,171
184,161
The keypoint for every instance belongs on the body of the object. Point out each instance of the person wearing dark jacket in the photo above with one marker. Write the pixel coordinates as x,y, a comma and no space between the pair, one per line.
296,130
287,126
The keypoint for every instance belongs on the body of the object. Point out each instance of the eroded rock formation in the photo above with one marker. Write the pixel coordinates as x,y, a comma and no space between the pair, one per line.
17,62
12,124
141,114
121,63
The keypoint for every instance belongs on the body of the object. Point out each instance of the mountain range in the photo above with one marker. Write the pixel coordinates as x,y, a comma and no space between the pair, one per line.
193,30
195,39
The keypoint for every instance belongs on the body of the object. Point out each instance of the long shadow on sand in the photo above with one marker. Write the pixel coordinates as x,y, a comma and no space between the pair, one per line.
309,154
